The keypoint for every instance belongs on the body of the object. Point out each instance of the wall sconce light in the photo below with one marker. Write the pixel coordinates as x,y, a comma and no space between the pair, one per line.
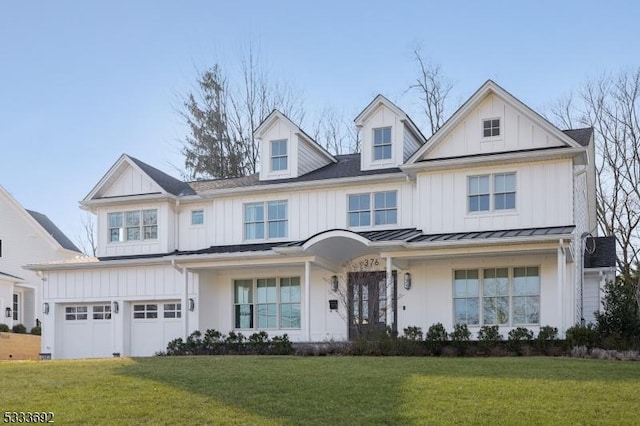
192,304
116,307
334,282
407,281
7,312
45,308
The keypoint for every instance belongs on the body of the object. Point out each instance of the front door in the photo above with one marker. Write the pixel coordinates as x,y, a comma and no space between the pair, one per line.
368,305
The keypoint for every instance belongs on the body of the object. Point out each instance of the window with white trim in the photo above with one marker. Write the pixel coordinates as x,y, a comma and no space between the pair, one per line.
197,217
133,225
101,312
75,313
16,307
491,192
382,143
497,296
490,127
384,212
279,158
145,311
275,222
267,303
172,310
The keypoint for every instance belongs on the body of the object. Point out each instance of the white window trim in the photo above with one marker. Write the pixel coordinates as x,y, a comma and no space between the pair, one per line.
381,161
491,138
510,275
254,303
265,221
273,171
492,207
372,211
191,217
141,226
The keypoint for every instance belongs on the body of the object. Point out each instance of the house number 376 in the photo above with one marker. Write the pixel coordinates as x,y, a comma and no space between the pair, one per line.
369,262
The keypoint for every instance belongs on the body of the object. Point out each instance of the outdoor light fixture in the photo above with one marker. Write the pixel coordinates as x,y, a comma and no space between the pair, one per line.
334,282
116,307
407,281
7,312
45,308
192,304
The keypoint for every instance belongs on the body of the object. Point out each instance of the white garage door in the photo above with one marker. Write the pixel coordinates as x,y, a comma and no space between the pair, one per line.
85,331
153,325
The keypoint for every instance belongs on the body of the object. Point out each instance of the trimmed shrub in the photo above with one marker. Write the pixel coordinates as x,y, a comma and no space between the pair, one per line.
489,336
547,339
582,335
517,337
460,337
19,329
281,345
4,328
37,331
413,333
436,338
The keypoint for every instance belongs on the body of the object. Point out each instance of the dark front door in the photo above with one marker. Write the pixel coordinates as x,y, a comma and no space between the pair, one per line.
368,307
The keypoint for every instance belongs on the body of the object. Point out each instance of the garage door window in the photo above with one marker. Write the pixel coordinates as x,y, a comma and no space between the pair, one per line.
102,312
145,311
75,313
173,310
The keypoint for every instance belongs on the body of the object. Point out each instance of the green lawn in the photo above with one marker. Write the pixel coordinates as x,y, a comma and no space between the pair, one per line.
325,390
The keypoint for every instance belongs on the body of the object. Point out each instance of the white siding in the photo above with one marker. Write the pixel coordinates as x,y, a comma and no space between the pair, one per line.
309,158
410,145
517,132
278,131
543,198
131,182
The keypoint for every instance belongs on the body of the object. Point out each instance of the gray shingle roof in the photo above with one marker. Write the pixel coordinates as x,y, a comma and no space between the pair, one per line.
53,230
582,136
168,183
600,252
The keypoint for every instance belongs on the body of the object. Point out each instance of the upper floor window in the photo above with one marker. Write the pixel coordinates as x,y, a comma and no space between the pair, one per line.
279,155
385,209
197,217
275,221
133,225
382,143
491,127
481,188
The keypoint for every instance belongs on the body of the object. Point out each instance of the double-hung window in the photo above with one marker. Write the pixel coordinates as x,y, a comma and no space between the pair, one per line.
267,303
275,222
487,192
382,143
279,155
497,296
133,225
384,212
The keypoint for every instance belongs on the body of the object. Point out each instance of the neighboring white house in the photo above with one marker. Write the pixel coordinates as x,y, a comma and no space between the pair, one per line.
26,237
481,224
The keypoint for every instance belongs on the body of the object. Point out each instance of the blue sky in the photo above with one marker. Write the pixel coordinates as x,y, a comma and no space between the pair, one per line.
83,82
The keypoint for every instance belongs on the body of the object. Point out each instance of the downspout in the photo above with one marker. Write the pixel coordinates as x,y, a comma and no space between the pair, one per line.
176,232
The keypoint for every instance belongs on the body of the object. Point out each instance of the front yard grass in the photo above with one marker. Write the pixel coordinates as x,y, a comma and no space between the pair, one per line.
324,390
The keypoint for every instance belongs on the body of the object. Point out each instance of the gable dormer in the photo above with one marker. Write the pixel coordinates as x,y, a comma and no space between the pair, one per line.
286,151
388,136
492,121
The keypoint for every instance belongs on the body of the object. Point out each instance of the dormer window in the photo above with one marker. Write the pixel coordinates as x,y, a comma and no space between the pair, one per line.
279,155
491,127
382,143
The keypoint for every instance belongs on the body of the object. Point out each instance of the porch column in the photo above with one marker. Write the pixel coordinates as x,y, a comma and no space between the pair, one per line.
389,294
307,301
185,303
561,285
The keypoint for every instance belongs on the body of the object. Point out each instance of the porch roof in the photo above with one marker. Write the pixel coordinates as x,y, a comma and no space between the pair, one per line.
480,235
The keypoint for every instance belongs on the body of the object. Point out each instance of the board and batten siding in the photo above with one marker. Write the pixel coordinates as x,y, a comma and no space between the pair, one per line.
517,132
132,182
543,198
309,212
382,117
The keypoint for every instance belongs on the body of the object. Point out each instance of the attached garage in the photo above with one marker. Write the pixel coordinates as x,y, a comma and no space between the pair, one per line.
153,325
85,331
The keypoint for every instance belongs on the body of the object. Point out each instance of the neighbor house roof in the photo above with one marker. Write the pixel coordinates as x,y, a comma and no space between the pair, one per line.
53,230
600,252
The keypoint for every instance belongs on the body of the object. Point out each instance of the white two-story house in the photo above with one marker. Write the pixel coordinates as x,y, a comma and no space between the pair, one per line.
483,224
26,237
